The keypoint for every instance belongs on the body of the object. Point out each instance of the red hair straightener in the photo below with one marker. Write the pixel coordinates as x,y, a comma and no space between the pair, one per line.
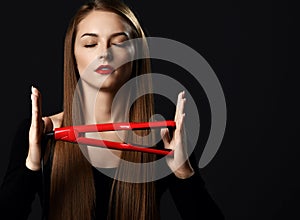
75,134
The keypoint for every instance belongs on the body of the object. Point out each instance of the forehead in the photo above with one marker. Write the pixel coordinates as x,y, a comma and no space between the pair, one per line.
103,22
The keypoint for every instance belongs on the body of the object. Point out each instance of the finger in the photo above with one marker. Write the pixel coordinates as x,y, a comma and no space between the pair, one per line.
48,124
180,125
36,109
180,104
39,102
165,136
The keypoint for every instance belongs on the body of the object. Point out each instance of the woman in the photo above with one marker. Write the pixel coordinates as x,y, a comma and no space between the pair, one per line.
84,182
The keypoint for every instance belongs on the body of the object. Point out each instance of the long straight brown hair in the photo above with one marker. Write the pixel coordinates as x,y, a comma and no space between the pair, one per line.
72,190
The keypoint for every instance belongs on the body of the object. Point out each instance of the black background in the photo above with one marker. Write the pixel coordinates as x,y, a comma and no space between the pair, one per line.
254,175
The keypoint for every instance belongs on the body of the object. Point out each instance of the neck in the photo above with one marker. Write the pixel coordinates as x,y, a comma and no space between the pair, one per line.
96,105
103,106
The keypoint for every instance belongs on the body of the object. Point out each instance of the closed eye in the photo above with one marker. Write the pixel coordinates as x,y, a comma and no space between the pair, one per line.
90,45
121,44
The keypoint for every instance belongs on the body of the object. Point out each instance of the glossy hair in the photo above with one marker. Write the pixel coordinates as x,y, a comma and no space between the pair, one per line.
72,190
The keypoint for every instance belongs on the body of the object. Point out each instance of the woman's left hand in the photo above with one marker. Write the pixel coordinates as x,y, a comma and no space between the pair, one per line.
179,162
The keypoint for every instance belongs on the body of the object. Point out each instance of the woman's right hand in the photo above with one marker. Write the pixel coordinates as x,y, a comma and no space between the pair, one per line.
39,125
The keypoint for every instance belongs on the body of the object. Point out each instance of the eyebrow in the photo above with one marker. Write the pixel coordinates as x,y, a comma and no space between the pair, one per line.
113,35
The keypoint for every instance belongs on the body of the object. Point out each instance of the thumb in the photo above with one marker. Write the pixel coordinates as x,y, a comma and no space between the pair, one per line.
48,125
165,136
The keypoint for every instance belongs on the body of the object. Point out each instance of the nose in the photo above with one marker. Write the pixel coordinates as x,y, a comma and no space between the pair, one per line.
105,54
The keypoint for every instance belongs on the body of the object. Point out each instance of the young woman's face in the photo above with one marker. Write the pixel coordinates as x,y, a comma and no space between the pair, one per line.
101,51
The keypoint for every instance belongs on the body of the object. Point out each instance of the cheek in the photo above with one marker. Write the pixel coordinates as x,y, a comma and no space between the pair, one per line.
122,56
82,63
83,60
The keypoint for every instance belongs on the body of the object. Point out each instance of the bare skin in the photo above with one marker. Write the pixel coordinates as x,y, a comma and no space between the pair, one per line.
105,28
39,126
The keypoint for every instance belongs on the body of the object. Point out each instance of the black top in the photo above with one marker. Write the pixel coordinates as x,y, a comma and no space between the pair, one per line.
20,186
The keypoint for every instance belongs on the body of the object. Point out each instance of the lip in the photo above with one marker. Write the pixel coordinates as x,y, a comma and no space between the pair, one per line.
104,69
